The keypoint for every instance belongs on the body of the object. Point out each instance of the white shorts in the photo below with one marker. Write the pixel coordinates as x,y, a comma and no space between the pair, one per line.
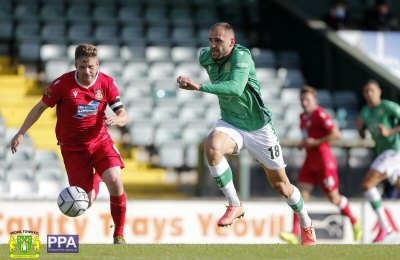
388,163
262,144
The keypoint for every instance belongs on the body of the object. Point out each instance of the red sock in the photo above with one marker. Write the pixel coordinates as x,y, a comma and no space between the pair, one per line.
96,183
296,224
345,209
118,212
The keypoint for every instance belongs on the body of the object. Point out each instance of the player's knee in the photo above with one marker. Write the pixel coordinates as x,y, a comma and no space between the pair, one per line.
214,155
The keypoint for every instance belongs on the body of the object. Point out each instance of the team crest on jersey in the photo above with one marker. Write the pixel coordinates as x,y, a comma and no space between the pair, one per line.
381,112
227,67
99,94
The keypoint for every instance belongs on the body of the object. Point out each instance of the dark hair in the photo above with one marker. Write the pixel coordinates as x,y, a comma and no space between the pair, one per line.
85,51
308,89
226,26
372,81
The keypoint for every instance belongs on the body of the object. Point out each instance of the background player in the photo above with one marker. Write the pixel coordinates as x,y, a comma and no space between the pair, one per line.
81,97
320,166
246,123
381,118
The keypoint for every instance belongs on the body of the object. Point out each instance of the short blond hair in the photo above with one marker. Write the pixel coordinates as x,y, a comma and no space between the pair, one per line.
85,51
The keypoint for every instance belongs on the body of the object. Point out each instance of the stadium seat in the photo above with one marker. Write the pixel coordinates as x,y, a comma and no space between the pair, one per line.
112,67
162,69
183,36
23,189
52,12
191,112
263,57
28,10
171,154
165,113
192,155
142,132
180,53
130,14
167,132
6,28
290,95
55,68
53,33
27,31
288,59
345,98
80,32
29,50
104,13
158,53
106,34
265,74
133,52
195,132
133,34
46,159
52,51
360,157
48,189
325,98
292,77
188,68
108,52
134,70
19,174
79,13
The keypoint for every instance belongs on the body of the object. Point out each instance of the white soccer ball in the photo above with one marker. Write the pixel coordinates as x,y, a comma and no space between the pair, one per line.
73,201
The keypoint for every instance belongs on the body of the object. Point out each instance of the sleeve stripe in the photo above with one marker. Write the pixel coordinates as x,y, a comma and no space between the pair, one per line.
117,108
115,101
117,104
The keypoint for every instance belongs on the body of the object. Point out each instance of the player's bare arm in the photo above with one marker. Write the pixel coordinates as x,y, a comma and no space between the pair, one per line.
386,132
187,83
30,119
120,118
313,142
360,127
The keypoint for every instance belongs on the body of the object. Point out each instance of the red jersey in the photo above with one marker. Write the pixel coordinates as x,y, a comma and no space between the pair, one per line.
316,125
81,109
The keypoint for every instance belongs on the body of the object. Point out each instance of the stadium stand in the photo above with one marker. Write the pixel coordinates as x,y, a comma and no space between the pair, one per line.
144,45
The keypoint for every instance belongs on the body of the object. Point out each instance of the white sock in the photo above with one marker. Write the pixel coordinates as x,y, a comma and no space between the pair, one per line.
296,202
222,173
375,199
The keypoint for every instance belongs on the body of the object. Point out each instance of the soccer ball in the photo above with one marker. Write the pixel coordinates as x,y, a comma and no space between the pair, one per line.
73,201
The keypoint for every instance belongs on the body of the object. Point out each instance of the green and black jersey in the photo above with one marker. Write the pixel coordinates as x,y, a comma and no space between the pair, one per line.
234,81
386,113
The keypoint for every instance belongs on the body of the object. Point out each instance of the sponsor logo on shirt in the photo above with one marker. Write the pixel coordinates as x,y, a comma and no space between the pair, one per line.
242,65
227,67
88,109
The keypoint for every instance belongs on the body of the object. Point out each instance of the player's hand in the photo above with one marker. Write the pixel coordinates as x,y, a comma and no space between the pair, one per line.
187,83
385,132
310,142
16,141
111,120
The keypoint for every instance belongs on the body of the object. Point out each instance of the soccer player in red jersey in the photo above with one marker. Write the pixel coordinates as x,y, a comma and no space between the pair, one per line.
320,166
81,97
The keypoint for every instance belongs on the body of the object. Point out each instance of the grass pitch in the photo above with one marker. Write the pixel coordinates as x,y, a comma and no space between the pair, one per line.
230,252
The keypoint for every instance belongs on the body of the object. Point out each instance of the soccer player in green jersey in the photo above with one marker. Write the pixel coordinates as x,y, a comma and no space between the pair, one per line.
245,124
381,118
